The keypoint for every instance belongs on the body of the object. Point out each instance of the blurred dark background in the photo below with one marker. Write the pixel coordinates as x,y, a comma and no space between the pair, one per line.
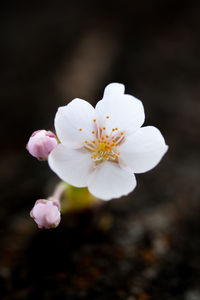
142,247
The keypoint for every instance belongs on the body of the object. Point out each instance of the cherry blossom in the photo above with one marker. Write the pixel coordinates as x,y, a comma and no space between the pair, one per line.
101,148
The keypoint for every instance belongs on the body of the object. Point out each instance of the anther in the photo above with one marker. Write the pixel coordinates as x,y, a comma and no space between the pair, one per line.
116,128
93,142
113,129
86,142
94,120
122,133
107,117
104,128
80,129
93,131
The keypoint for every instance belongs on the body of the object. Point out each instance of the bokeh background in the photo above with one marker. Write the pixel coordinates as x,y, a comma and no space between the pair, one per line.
142,247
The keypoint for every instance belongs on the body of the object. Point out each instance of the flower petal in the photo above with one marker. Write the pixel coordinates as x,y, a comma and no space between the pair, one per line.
71,165
143,150
110,181
74,123
124,112
113,89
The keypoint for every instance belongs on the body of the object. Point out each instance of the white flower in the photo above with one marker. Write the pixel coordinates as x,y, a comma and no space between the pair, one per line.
103,147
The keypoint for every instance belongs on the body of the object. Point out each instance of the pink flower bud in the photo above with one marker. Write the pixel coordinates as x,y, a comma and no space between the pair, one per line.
46,213
41,143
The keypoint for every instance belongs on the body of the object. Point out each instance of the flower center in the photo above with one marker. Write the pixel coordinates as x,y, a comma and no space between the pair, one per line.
105,145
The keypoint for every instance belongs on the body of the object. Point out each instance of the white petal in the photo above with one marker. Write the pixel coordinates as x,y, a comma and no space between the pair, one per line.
143,150
74,123
113,89
71,165
125,112
110,181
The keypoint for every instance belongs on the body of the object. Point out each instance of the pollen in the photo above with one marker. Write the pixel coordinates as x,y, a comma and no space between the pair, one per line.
93,131
104,128
102,138
86,142
94,142
122,133
107,136
94,120
107,117
118,153
113,129
80,129
114,156
116,128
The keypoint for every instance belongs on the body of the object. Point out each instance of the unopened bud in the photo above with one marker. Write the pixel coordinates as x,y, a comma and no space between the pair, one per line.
46,213
41,143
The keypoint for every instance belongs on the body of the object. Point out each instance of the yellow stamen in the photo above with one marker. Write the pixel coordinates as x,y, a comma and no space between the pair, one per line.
80,129
104,128
122,133
107,117
93,132
93,142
